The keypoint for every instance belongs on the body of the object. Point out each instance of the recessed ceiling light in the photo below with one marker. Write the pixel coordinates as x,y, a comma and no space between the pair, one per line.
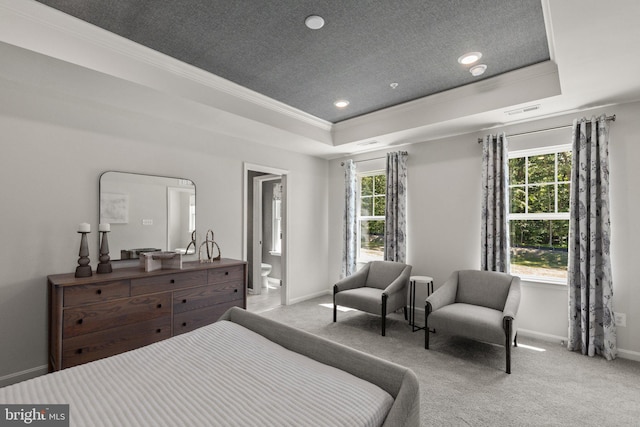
469,58
341,103
393,85
478,70
314,22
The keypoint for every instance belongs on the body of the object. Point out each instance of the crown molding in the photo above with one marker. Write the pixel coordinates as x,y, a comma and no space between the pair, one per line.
85,33
516,87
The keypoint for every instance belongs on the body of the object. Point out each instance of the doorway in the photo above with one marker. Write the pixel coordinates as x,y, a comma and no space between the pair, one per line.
265,236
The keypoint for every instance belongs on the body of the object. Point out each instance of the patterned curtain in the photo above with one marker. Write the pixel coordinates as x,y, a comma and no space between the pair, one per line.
591,322
395,242
350,232
495,203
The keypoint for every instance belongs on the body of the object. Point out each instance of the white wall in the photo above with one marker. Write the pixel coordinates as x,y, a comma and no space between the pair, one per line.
444,218
54,148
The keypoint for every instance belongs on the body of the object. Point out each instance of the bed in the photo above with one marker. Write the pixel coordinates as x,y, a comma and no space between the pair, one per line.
244,370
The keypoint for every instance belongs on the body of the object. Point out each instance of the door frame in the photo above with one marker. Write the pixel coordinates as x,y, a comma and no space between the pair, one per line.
273,173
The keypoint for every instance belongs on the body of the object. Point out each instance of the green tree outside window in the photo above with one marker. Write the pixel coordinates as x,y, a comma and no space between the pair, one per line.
539,190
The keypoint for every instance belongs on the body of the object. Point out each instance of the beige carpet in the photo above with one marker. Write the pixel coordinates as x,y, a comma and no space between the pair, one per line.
463,383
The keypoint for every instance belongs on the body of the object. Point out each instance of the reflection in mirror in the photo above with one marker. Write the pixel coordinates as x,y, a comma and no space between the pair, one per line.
147,213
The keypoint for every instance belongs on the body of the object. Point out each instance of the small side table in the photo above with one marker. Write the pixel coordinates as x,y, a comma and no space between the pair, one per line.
412,297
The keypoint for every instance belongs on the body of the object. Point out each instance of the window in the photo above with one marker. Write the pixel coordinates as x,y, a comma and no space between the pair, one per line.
192,213
539,182
371,213
276,226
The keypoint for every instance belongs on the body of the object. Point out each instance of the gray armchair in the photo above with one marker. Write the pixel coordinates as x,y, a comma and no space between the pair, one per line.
380,287
481,305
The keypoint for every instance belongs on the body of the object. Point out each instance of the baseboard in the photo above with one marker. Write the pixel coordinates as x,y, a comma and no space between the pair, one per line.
17,377
629,354
308,297
541,336
622,353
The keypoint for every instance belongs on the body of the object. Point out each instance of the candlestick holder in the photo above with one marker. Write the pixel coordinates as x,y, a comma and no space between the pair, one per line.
105,261
83,269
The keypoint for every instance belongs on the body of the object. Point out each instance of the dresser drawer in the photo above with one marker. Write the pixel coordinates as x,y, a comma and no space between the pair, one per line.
168,282
87,294
190,320
86,348
226,274
205,296
96,317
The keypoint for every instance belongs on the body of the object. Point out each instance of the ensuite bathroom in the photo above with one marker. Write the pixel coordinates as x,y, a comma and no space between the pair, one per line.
264,237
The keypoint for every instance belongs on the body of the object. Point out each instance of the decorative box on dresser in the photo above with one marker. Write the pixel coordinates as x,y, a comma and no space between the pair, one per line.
106,314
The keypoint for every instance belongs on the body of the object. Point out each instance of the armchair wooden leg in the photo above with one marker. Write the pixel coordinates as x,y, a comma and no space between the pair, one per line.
426,326
515,340
507,344
384,312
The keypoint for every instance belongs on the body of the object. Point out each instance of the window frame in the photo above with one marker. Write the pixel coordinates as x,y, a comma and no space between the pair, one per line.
544,216
360,218
192,213
275,218
276,227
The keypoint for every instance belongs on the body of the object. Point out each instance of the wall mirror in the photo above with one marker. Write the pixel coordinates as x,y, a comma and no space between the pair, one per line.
147,213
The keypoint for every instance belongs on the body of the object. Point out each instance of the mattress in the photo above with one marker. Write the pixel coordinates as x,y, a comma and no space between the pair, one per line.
219,375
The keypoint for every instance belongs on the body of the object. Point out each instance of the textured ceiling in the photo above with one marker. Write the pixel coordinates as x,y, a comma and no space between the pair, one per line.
364,46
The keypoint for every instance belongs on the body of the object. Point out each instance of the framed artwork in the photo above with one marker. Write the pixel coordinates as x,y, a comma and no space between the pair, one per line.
114,208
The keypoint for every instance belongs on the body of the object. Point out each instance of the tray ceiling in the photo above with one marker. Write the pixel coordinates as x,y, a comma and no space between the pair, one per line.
363,48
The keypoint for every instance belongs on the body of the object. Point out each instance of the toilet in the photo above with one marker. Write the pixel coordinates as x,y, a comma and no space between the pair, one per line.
265,269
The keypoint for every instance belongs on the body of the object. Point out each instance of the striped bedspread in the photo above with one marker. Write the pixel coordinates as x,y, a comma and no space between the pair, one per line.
218,375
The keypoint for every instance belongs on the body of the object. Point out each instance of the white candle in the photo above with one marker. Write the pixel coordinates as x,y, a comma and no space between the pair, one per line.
84,228
104,227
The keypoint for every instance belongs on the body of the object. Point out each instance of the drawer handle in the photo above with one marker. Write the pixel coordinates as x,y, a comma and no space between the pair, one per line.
184,323
158,331
79,321
159,305
173,280
79,351
226,273
99,292
235,290
184,301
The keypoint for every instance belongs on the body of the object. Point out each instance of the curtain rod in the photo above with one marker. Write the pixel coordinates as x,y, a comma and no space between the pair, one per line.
610,118
370,160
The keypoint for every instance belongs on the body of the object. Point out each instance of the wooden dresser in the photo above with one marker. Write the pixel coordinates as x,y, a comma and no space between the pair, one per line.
106,314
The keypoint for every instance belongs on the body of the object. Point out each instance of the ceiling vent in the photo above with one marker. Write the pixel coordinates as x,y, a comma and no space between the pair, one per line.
523,110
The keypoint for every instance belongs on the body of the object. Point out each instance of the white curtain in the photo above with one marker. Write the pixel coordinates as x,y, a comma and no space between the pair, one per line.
495,203
350,232
395,241
592,326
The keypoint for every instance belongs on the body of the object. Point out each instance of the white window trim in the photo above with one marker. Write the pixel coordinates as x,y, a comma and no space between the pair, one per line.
359,218
543,280
276,228
540,150
541,216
